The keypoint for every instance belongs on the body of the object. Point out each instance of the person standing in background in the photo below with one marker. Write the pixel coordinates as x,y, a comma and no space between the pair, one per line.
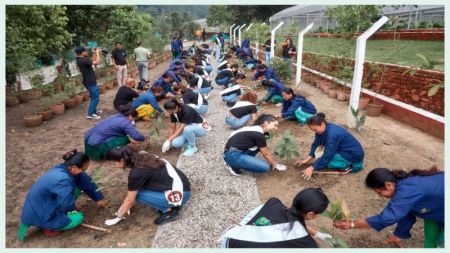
142,55
119,59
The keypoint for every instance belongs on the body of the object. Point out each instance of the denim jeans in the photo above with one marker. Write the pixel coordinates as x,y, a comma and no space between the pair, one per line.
188,135
230,98
143,70
208,69
245,160
237,123
267,58
217,49
202,109
158,199
205,90
94,93
223,81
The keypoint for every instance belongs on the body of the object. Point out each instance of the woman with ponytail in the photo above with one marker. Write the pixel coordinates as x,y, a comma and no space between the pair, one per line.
153,182
191,126
50,204
273,225
342,151
418,193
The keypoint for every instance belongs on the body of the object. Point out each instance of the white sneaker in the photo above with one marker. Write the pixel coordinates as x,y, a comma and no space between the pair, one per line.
99,112
207,96
93,116
234,172
279,104
280,167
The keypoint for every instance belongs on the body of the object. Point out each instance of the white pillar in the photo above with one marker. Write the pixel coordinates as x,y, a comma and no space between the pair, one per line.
257,49
272,41
359,68
231,35
298,75
249,26
234,34
239,32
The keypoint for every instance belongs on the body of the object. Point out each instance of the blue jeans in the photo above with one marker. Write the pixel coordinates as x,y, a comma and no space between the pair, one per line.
223,81
158,199
143,70
208,69
94,93
267,58
217,49
205,90
188,135
245,160
237,123
202,110
230,98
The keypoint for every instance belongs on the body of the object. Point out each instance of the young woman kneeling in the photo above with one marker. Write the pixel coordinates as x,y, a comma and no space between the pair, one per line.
245,143
243,111
153,182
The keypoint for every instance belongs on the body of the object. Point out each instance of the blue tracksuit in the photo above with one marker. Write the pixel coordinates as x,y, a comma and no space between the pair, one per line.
336,139
175,46
417,196
114,126
269,73
146,98
245,43
172,75
173,64
290,106
274,89
167,87
51,197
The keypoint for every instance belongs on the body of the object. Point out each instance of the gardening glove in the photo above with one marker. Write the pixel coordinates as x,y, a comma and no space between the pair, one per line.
165,146
280,167
112,222
322,236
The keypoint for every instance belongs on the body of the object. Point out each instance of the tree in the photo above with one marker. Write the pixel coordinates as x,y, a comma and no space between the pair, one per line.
354,18
218,15
32,31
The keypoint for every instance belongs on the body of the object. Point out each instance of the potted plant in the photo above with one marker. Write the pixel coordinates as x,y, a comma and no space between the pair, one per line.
70,91
11,98
58,83
37,82
46,111
109,84
374,109
79,96
32,120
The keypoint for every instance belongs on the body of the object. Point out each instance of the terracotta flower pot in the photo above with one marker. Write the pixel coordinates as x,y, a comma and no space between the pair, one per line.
46,115
70,103
36,93
109,85
341,95
332,93
32,120
58,108
363,102
374,109
24,97
86,96
115,83
12,101
78,99
102,88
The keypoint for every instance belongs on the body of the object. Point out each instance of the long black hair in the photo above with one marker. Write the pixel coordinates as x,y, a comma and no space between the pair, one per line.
317,119
127,110
135,160
75,158
264,118
377,178
310,200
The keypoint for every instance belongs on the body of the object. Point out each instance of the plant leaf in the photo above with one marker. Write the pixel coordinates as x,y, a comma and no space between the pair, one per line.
434,90
339,242
345,210
327,214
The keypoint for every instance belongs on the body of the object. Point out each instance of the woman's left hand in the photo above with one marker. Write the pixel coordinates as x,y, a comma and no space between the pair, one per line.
342,224
101,203
394,240
307,173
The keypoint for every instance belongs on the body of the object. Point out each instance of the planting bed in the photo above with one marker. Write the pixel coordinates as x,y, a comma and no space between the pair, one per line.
387,143
31,152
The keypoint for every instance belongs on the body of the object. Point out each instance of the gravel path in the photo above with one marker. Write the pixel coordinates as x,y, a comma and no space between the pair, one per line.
219,199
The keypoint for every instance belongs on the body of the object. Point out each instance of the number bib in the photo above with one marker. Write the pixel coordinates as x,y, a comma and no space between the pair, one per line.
174,197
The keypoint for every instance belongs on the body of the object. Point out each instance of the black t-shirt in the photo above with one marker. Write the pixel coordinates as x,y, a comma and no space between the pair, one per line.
119,56
191,97
242,108
286,50
199,70
224,73
205,83
268,43
187,115
85,66
246,138
124,96
235,89
154,180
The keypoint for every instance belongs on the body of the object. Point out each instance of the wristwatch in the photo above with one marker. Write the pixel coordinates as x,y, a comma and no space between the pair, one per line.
352,225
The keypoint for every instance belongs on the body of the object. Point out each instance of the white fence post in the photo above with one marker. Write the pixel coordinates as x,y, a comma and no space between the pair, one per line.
359,68
231,35
234,34
239,31
272,41
249,26
298,74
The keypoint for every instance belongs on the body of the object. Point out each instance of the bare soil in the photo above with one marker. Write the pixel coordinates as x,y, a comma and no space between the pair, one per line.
387,143
30,152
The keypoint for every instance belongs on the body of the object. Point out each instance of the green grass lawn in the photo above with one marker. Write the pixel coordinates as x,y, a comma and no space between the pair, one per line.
402,52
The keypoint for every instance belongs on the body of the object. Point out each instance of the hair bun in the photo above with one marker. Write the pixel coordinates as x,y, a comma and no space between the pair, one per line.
321,115
69,154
